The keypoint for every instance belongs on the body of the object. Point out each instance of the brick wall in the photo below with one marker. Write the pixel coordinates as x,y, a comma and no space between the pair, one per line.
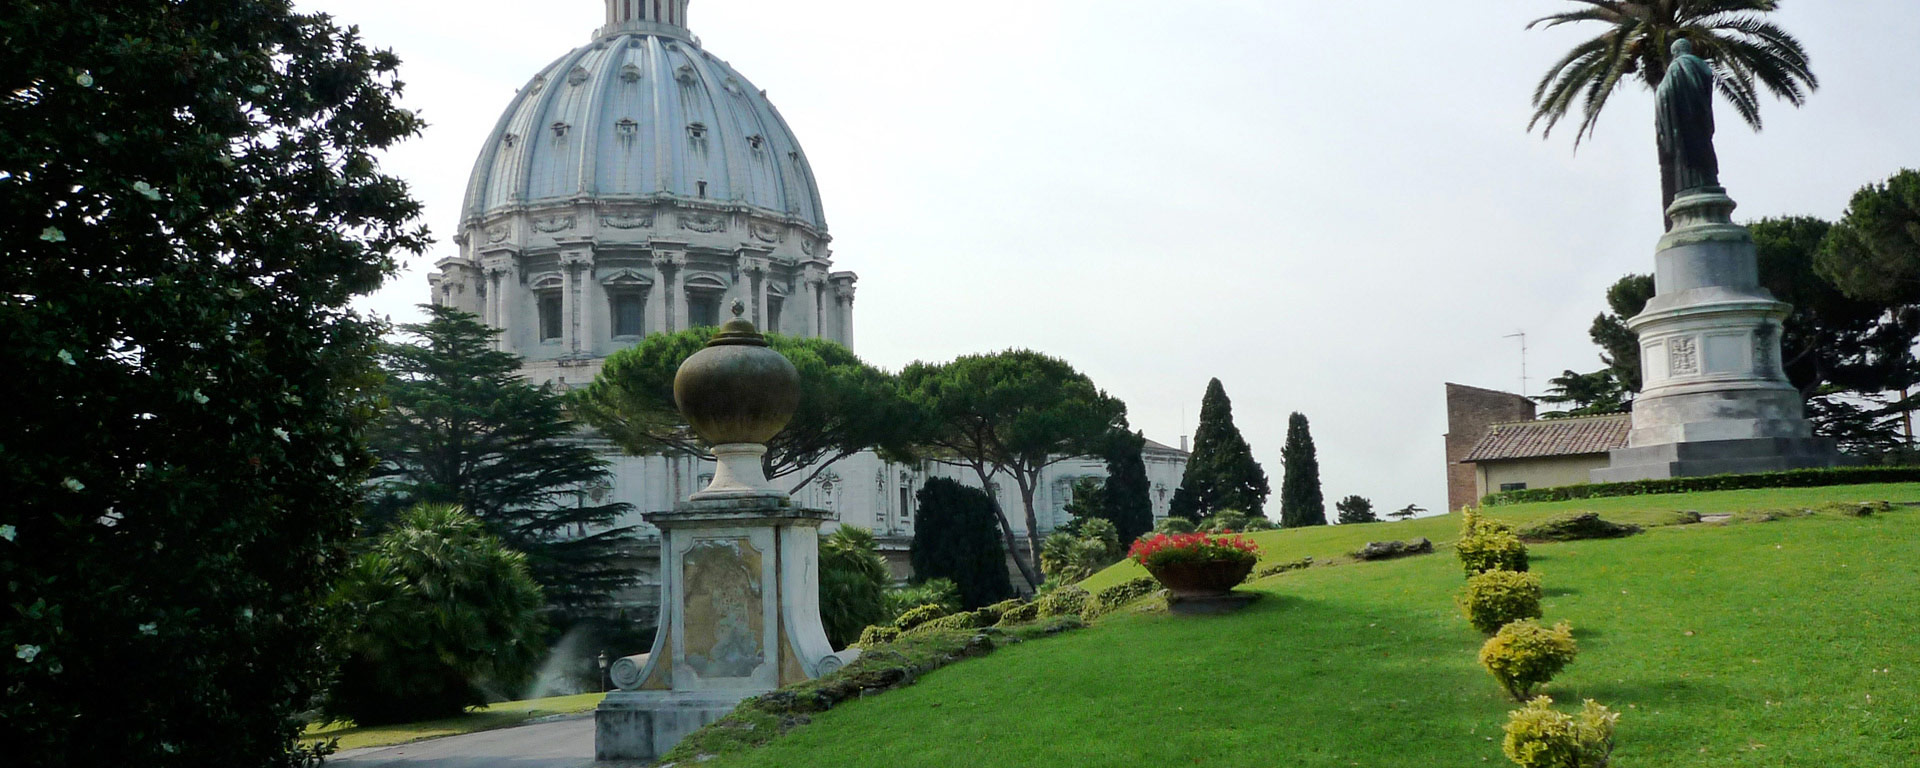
1470,410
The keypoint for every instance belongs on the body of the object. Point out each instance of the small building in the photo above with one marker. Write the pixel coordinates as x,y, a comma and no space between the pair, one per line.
1544,453
1470,411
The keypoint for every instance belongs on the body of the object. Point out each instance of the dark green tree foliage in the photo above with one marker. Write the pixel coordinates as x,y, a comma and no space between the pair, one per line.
1874,252
1221,473
465,429
1014,413
438,612
1587,394
1127,494
190,199
1356,509
1300,501
853,584
955,540
1087,500
846,405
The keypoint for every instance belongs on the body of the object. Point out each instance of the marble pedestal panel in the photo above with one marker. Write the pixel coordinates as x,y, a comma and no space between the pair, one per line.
1714,399
740,616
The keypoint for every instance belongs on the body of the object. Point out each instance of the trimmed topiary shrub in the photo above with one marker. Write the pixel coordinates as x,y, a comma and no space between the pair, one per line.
1487,545
1524,655
1106,600
967,620
1019,614
1538,736
1495,598
877,635
1065,601
918,616
1575,526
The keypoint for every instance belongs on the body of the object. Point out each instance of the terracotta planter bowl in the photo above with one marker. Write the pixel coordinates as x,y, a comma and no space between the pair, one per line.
1206,579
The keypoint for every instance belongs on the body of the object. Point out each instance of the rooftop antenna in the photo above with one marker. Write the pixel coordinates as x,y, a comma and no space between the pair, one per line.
1522,336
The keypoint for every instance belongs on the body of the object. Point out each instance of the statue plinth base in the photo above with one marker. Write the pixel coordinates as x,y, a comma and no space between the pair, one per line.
1714,399
740,616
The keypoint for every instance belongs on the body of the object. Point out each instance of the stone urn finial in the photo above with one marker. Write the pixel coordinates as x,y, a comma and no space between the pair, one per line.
737,393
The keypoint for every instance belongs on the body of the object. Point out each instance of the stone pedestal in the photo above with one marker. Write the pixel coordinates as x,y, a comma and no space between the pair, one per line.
1714,399
740,616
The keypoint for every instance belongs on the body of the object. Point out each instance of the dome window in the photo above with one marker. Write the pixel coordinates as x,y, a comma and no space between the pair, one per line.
756,141
630,73
703,188
626,128
510,139
685,74
560,130
697,130
577,76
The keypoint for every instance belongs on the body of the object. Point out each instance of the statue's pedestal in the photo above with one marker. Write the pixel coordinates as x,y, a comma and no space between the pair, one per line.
740,616
1714,399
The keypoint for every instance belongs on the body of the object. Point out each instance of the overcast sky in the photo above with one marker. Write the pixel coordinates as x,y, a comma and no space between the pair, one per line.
1332,207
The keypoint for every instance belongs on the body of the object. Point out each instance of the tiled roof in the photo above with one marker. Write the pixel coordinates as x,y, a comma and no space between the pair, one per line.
1155,445
1552,437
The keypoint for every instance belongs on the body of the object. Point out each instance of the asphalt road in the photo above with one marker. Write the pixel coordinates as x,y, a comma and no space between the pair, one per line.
564,743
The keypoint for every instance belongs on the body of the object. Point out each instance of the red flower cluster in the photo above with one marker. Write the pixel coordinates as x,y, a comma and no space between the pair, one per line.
1192,547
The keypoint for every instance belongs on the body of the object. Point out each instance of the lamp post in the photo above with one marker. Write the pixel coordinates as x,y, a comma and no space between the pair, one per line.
604,661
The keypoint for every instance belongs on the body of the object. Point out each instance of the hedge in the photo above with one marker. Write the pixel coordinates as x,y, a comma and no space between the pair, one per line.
1797,478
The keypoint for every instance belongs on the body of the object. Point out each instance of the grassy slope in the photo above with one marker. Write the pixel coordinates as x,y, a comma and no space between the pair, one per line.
1790,643
499,715
1333,542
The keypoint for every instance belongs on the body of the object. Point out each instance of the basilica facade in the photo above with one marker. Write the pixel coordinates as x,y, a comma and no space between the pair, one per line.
639,184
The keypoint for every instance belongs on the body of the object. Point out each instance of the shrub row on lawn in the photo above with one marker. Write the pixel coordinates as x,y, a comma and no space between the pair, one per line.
1504,601
1797,478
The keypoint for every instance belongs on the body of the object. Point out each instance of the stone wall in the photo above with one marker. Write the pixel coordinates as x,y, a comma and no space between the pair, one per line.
1470,410
1541,472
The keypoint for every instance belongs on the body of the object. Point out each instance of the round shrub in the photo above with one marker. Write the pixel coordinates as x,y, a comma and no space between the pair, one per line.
1065,601
1524,655
1495,598
877,635
918,616
1486,545
1539,736
1173,525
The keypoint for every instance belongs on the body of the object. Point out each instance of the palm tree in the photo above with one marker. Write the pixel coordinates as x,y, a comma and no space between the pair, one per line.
1731,34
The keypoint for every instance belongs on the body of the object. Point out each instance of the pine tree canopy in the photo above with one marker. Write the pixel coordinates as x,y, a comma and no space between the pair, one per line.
846,405
1127,494
1300,501
465,429
1221,472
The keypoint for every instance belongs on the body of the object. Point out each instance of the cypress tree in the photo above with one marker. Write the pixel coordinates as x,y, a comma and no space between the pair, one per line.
466,429
1221,472
1127,498
958,538
1300,500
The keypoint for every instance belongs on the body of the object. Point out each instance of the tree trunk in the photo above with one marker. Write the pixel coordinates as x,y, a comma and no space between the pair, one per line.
1006,530
1026,500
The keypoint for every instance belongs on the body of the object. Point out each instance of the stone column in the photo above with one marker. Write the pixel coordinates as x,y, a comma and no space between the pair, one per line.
672,289
576,299
812,295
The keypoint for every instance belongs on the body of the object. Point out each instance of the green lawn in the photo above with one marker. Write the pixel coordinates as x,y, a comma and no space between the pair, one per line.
498,715
1333,542
1786,643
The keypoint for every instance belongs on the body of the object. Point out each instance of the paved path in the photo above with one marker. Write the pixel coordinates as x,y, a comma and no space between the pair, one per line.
566,743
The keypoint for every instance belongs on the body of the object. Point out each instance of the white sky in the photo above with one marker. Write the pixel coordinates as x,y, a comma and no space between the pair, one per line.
1332,207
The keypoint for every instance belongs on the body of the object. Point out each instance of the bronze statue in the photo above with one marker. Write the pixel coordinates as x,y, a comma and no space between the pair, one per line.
1684,120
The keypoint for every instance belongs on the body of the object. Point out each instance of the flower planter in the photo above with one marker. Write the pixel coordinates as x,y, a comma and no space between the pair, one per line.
1210,578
